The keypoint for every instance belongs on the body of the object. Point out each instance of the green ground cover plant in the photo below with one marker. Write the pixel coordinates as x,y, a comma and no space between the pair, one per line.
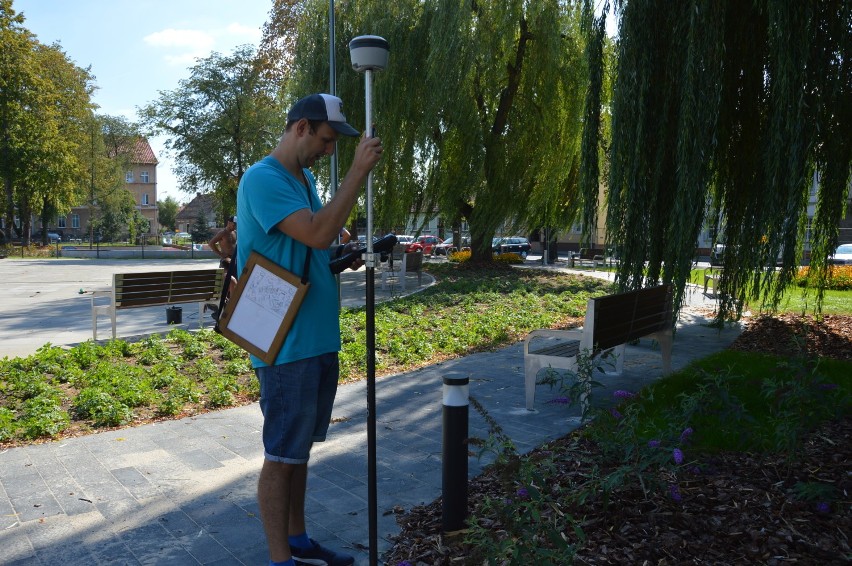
60,391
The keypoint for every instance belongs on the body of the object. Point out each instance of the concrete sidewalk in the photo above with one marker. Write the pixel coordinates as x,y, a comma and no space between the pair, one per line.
50,300
183,492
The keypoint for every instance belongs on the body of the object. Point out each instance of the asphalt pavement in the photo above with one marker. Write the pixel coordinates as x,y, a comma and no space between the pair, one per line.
182,492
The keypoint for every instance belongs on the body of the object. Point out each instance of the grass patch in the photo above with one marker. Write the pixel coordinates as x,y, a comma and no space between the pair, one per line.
796,299
739,401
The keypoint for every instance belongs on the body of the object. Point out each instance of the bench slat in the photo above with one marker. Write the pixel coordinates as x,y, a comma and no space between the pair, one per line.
563,349
165,288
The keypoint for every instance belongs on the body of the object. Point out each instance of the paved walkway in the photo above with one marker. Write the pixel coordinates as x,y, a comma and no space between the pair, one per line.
183,492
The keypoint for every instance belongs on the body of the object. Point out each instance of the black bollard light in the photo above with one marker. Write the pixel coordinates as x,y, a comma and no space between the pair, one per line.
454,455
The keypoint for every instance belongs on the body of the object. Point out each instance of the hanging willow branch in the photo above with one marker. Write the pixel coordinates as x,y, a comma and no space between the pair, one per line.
733,111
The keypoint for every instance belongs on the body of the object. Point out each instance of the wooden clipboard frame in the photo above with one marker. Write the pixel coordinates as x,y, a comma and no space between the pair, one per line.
268,325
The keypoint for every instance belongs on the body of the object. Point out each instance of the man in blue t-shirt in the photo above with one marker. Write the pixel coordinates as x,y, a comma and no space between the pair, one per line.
281,216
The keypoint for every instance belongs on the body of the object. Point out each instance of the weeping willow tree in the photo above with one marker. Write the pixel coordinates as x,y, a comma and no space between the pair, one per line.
727,112
479,110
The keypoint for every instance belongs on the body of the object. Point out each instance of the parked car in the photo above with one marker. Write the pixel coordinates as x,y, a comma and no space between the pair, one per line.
842,255
511,245
54,237
426,243
446,245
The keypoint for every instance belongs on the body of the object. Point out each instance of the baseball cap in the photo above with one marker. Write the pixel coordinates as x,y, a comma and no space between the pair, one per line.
323,107
232,219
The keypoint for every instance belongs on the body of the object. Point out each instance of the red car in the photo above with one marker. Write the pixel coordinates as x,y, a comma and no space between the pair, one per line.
425,243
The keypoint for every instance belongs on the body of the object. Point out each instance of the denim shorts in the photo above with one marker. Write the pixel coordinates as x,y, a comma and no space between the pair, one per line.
296,399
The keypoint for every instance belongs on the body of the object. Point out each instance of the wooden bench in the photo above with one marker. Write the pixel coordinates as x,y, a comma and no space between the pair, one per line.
611,322
588,257
712,274
134,290
401,262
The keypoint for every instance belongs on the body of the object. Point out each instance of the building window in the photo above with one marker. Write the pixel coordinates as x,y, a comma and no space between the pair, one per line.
60,222
75,221
128,177
145,198
143,176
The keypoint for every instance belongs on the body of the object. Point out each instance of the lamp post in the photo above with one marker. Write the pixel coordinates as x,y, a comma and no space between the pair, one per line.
370,53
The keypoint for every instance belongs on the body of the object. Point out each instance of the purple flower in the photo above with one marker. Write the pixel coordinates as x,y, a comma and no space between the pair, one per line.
653,444
696,470
405,563
674,492
523,493
684,436
560,401
615,414
828,386
677,454
823,507
622,394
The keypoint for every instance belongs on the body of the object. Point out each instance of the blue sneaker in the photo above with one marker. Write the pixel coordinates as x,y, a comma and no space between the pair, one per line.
320,556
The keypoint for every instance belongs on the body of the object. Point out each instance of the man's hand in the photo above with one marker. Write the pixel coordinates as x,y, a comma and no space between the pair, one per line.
351,247
367,154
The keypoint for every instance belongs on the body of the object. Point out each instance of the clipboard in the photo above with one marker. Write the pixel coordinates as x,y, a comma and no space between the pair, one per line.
262,308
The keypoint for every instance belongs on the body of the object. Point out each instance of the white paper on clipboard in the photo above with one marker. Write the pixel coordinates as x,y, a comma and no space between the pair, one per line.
263,307
265,301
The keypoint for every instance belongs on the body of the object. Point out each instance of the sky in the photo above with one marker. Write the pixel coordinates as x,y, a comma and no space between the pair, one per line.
138,48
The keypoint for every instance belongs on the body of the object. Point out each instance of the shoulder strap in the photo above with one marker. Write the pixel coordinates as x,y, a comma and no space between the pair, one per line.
307,268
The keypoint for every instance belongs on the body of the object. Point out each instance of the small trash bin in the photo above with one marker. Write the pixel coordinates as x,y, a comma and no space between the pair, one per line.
174,315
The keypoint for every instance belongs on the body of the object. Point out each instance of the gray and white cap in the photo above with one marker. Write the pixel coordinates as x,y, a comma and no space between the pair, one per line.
324,107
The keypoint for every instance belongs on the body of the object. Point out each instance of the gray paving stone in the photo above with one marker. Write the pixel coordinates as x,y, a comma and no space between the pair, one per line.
15,546
36,506
199,460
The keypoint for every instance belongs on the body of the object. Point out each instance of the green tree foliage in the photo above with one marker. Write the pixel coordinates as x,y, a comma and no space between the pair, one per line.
219,122
479,109
112,144
45,101
733,107
200,230
167,212
115,212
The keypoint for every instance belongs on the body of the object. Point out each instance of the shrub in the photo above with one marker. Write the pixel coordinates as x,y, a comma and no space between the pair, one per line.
102,408
459,257
7,424
508,258
85,355
181,391
840,278
42,416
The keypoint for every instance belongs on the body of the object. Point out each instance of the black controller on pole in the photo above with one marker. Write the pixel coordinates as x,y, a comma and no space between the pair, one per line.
381,245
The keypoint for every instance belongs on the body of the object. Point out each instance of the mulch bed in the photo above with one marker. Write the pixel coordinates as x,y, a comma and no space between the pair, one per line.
735,508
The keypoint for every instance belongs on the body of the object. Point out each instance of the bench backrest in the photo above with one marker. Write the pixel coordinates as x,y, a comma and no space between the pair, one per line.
167,287
589,253
413,261
624,317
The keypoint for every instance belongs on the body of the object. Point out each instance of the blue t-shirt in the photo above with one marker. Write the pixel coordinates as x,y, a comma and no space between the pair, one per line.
268,194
